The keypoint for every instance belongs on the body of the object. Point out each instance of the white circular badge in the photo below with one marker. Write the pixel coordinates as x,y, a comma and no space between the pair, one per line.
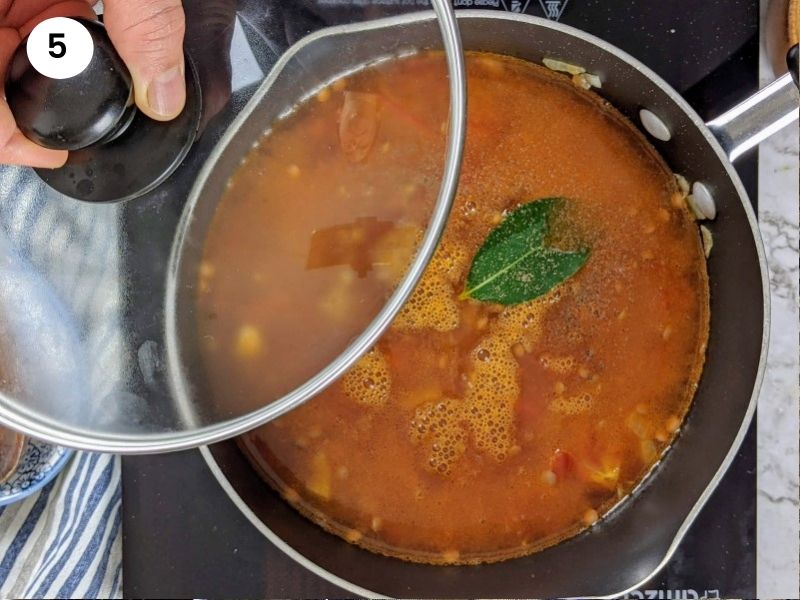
60,48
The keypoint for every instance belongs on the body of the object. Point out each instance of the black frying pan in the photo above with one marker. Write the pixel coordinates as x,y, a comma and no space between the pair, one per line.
639,536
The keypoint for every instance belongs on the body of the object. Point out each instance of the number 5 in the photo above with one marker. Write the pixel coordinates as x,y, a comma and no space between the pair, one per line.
55,43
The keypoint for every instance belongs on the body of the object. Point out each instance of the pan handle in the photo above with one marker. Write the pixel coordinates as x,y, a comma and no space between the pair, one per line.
755,119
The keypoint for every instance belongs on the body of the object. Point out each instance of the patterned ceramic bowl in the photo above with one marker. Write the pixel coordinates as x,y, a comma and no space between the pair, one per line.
38,465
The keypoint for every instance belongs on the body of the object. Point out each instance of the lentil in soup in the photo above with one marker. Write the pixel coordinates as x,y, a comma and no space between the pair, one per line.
472,432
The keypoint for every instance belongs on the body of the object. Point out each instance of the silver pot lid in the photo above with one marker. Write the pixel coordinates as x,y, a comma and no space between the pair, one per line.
94,296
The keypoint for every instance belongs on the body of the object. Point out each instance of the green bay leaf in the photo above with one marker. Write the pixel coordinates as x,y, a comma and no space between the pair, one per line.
514,264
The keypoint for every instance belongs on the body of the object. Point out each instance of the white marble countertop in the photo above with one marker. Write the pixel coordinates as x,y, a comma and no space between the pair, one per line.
778,541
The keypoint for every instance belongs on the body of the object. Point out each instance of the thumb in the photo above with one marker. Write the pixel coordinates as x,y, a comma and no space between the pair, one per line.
148,34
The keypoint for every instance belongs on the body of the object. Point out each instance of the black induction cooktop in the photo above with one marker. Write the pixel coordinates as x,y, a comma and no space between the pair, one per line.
182,535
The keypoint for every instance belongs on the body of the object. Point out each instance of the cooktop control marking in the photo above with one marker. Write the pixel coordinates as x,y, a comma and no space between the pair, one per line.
553,9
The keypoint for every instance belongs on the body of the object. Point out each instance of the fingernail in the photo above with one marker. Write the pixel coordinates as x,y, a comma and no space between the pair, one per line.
166,94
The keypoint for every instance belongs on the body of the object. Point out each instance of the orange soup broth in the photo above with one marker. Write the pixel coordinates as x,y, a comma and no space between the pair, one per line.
473,432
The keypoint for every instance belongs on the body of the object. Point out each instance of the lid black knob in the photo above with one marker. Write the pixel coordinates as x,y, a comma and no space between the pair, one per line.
72,113
116,152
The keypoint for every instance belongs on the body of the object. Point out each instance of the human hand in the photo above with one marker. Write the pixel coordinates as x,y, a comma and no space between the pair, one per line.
148,34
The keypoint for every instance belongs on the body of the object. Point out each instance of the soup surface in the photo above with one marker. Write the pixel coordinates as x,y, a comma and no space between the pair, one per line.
473,431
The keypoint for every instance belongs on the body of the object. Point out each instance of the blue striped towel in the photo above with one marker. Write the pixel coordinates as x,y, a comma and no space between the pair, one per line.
65,541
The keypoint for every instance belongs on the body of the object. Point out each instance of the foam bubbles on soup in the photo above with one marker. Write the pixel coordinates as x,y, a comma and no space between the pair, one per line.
369,381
